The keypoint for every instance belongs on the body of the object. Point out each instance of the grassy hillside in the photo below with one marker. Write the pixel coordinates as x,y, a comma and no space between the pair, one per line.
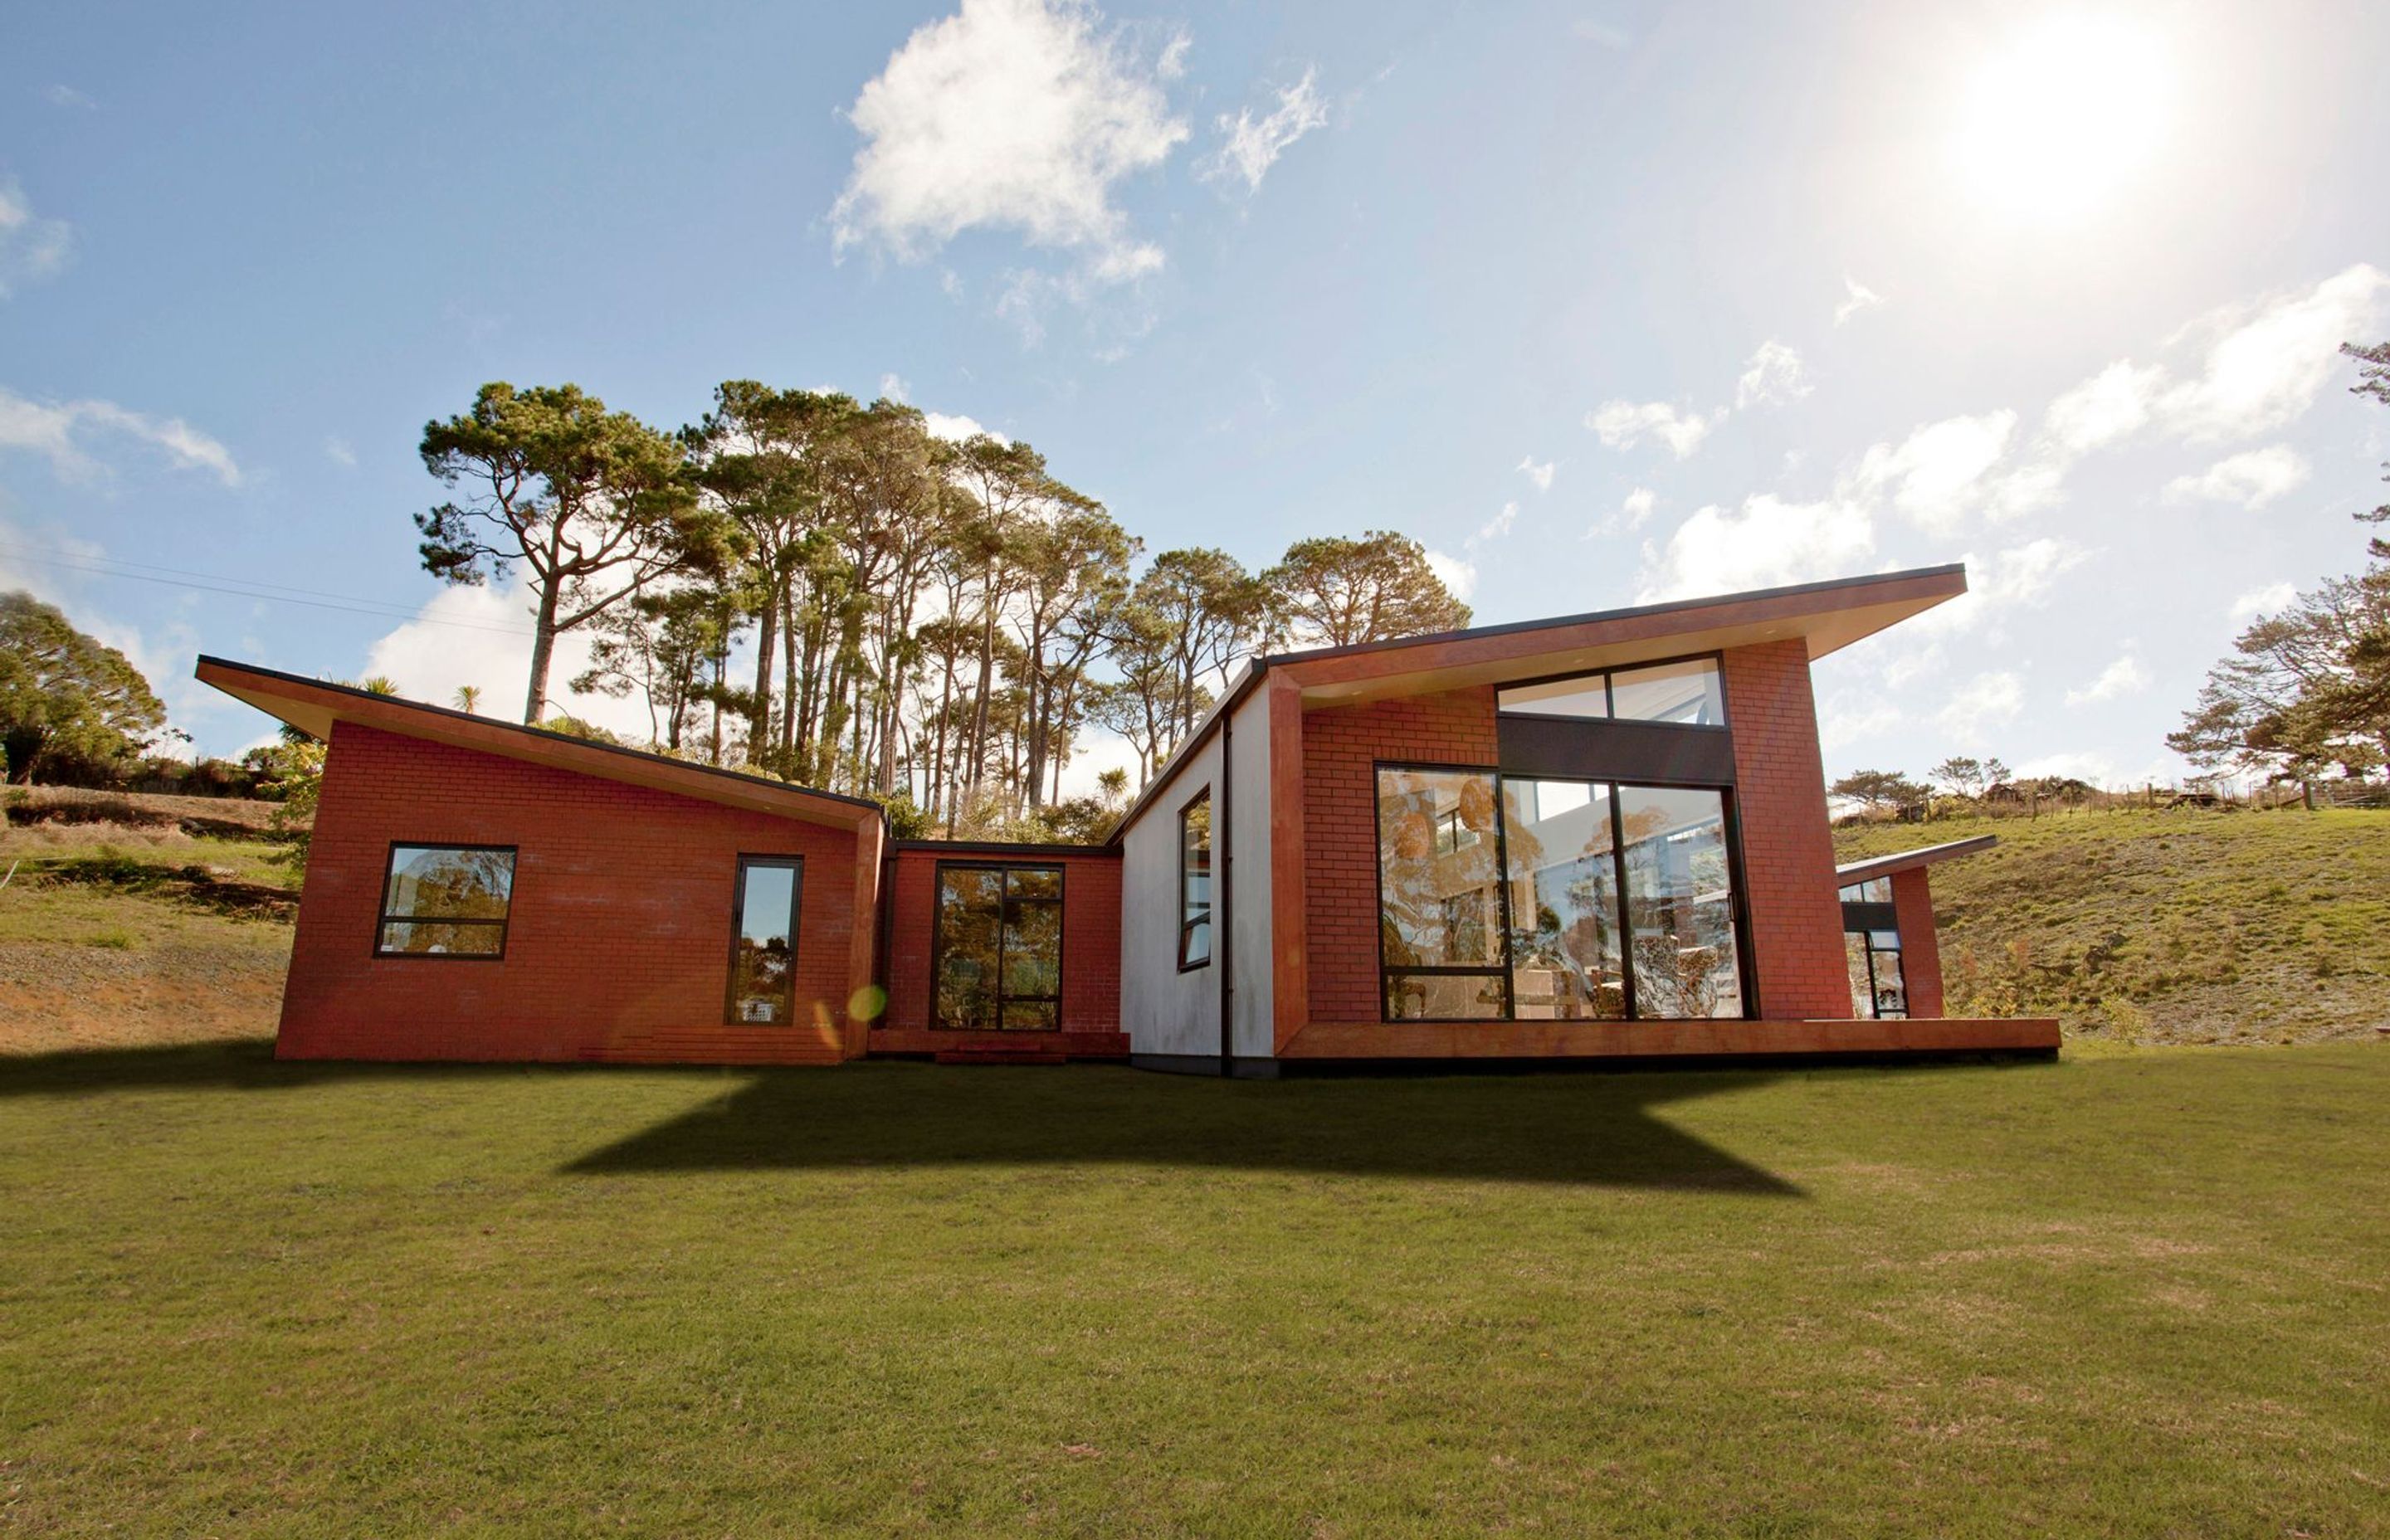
2184,927
135,919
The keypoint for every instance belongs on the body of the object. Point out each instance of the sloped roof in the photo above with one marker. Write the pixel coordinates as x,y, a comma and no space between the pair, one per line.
1826,616
1908,860
314,705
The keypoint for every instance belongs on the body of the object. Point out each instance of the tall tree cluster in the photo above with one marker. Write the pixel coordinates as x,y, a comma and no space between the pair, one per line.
824,590
2306,691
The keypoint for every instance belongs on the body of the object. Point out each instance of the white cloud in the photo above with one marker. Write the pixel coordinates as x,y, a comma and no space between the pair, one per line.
32,247
2124,677
1604,35
2257,603
1013,114
1773,377
482,636
1857,297
2251,479
1985,702
58,430
1847,717
1624,424
956,427
1250,145
1497,526
340,453
2110,405
2019,577
67,95
1541,474
1457,575
2271,360
892,386
1637,508
1938,474
1767,543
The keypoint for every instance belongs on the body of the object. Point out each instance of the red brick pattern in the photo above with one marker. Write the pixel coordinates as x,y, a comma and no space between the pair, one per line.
619,938
1788,845
1341,748
1091,955
1921,948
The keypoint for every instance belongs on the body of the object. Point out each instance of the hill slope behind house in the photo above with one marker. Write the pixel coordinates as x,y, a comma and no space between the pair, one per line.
2181,927
134,920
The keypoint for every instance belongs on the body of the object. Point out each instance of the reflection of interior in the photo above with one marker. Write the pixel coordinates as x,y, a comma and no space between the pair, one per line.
1568,952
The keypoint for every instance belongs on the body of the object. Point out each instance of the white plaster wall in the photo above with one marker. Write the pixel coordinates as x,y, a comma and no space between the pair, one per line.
1249,904
1164,1011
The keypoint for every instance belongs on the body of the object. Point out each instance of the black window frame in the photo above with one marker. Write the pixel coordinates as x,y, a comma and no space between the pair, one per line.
1211,873
384,920
796,865
1003,996
1730,813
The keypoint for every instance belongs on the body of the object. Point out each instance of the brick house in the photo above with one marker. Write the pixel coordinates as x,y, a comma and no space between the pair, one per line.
1598,837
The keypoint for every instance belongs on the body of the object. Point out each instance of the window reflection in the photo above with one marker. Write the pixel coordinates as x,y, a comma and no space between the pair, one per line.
1562,868
1195,882
1878,987
446,901
1680,904
999,948
764,964
1439,910
1686,693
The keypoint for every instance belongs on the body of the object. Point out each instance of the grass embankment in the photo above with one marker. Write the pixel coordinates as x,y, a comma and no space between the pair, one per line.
136,919
2183,927
2120,1295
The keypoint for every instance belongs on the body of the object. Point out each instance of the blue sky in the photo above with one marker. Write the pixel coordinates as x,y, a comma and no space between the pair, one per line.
1601,302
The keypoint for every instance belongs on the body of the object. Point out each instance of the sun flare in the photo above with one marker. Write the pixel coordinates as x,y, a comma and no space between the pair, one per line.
2061,119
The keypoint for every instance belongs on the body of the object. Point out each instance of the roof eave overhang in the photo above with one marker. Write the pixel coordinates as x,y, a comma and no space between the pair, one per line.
316,708
1824,617
1910,860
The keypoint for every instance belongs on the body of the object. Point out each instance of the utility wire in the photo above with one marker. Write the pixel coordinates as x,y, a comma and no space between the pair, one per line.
248,589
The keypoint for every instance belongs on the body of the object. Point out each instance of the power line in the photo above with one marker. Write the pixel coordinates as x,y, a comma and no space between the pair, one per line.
247,589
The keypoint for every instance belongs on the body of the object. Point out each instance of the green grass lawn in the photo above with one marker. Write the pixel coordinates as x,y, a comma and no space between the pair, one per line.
2184,927
2129,1294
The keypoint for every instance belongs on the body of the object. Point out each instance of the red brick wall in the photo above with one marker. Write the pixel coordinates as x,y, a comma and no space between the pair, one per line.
1921,949
1341,746
1091,942
1788,845
619,923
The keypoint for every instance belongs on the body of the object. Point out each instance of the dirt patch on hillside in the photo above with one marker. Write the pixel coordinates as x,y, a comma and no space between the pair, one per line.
217,817
56,995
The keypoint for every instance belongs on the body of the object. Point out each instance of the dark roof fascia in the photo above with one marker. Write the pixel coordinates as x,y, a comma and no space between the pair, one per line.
739,776
1512,628
1004,847
1924,855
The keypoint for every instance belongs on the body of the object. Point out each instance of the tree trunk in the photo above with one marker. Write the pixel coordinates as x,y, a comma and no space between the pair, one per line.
759,724
543,649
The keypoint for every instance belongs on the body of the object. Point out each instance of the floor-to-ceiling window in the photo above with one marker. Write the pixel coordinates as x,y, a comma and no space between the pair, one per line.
998,948
1507,897
1582,896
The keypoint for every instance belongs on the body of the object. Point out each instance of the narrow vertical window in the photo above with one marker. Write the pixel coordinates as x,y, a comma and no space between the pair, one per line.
998,960
1440,925
763,940
1195,882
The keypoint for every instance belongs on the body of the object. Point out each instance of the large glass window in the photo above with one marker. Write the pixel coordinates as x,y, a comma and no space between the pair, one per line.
999,948
764,943
1440,923
1679,903
1195,882
1686,693
1553,900
445,901
1878,989
1567,946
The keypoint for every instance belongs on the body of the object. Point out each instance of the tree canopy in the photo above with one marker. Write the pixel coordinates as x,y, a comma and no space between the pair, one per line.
1335,591
63,695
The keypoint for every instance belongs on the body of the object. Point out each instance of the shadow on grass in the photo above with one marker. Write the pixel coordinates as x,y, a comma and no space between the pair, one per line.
1577,1128
1588,1129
